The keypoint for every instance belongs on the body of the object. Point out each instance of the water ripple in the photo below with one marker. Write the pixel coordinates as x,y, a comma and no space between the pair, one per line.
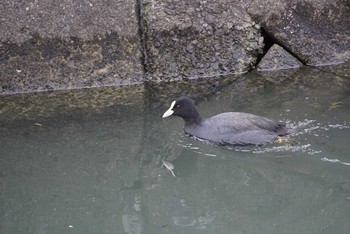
334,161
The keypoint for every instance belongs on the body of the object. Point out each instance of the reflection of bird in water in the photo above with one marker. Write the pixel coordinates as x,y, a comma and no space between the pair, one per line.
169,166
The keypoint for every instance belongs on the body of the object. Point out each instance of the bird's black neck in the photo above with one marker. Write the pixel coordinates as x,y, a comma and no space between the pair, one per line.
192,120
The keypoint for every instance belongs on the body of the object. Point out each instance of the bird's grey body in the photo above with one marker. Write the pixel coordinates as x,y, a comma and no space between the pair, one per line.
236,128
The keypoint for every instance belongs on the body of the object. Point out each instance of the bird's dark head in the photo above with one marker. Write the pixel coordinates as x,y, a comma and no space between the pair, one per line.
183,107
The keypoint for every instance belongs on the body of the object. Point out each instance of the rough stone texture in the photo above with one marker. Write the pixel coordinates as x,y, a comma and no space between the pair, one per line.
84,19
189,39
317,32
49,45
277,58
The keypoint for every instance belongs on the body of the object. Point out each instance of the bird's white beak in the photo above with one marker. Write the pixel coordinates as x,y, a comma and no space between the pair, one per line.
169,112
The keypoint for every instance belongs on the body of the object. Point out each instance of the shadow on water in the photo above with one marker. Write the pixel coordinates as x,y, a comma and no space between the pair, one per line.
91,161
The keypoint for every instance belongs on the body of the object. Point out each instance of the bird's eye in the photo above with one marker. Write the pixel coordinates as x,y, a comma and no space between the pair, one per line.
177,106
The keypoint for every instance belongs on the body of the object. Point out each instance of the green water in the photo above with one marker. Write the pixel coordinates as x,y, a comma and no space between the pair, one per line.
91,161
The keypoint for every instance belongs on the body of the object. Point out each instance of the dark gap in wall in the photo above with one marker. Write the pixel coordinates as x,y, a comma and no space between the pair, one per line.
269,41
142,35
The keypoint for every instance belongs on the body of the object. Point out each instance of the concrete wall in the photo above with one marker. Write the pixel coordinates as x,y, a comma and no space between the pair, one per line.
49,45
52,45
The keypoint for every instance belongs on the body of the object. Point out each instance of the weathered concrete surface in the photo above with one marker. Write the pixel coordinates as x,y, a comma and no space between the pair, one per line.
50,45
204,38
316,31
277,58
84,19
186,39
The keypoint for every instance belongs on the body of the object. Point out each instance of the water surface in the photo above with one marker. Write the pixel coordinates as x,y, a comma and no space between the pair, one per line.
91,161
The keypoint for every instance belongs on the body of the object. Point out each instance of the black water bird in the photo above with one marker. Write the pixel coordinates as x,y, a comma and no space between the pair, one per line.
230,128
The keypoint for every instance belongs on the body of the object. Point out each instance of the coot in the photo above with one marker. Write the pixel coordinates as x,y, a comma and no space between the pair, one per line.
230,128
